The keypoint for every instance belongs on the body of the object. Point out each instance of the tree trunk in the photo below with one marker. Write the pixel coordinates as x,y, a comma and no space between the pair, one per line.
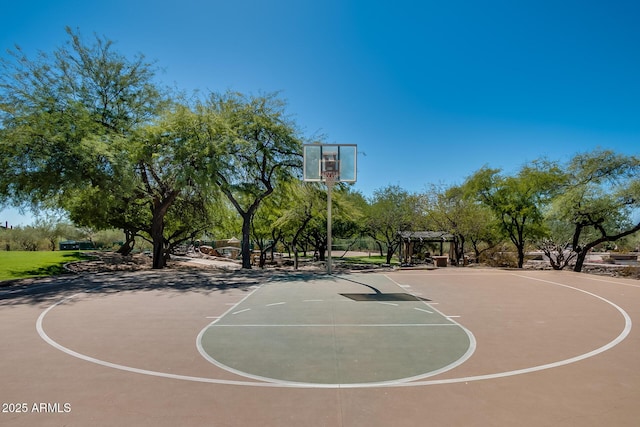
582,255
245,247
157,237
158,213
390,252
128,245
322,248
295,240
520,256
458,249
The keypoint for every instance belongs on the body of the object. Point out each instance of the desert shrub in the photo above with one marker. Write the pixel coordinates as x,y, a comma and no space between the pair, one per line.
22,239
499,256
630,271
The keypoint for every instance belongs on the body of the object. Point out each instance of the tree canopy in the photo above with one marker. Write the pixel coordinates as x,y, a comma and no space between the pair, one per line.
258,147
391,210
59,110
517,201
90,131
602,190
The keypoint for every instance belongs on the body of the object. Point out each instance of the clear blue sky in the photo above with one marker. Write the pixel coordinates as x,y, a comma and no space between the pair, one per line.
429,90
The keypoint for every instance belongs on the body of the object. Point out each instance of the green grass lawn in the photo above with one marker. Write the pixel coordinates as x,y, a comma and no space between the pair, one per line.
21,264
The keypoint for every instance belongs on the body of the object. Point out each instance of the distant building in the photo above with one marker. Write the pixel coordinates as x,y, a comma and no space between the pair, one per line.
72,245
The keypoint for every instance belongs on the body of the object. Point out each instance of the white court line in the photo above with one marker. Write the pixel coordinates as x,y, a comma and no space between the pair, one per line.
51,342
422,309
283,384
236,305
278,382
331,325
276,303
240,311
388,303
625,332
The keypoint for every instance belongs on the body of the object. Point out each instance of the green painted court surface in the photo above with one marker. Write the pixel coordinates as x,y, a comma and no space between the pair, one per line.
332,330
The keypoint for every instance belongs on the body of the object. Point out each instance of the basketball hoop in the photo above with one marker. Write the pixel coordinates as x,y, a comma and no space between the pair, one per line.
338,158
330,177
330,167
329,163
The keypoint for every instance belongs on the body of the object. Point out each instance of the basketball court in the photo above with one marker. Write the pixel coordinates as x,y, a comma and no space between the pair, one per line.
453,346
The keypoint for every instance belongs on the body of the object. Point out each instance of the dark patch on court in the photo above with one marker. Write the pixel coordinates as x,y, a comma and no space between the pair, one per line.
384,297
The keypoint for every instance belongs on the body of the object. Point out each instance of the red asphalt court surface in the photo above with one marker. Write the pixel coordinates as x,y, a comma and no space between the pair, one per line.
544,349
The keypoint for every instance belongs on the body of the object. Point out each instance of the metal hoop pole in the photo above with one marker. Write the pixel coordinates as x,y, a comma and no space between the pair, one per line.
329,181
329,244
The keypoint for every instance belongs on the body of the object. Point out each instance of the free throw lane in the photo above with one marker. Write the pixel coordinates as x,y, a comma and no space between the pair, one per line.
356,329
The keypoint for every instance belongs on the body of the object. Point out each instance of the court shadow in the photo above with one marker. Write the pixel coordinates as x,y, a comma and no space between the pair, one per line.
392,297
45,290
51,289
378,295
395,297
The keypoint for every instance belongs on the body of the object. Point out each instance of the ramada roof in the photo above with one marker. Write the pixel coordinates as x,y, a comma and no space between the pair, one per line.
435,236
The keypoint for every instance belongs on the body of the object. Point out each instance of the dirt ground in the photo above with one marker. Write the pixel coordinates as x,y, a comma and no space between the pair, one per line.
111,261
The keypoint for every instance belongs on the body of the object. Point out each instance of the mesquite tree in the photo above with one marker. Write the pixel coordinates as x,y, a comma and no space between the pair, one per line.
518,201
88,130
601,192
258,146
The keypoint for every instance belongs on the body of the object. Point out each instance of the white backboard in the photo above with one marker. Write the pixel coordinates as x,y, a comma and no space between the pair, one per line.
338,158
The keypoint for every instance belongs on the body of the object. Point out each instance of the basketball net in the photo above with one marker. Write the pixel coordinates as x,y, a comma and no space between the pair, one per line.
330,177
